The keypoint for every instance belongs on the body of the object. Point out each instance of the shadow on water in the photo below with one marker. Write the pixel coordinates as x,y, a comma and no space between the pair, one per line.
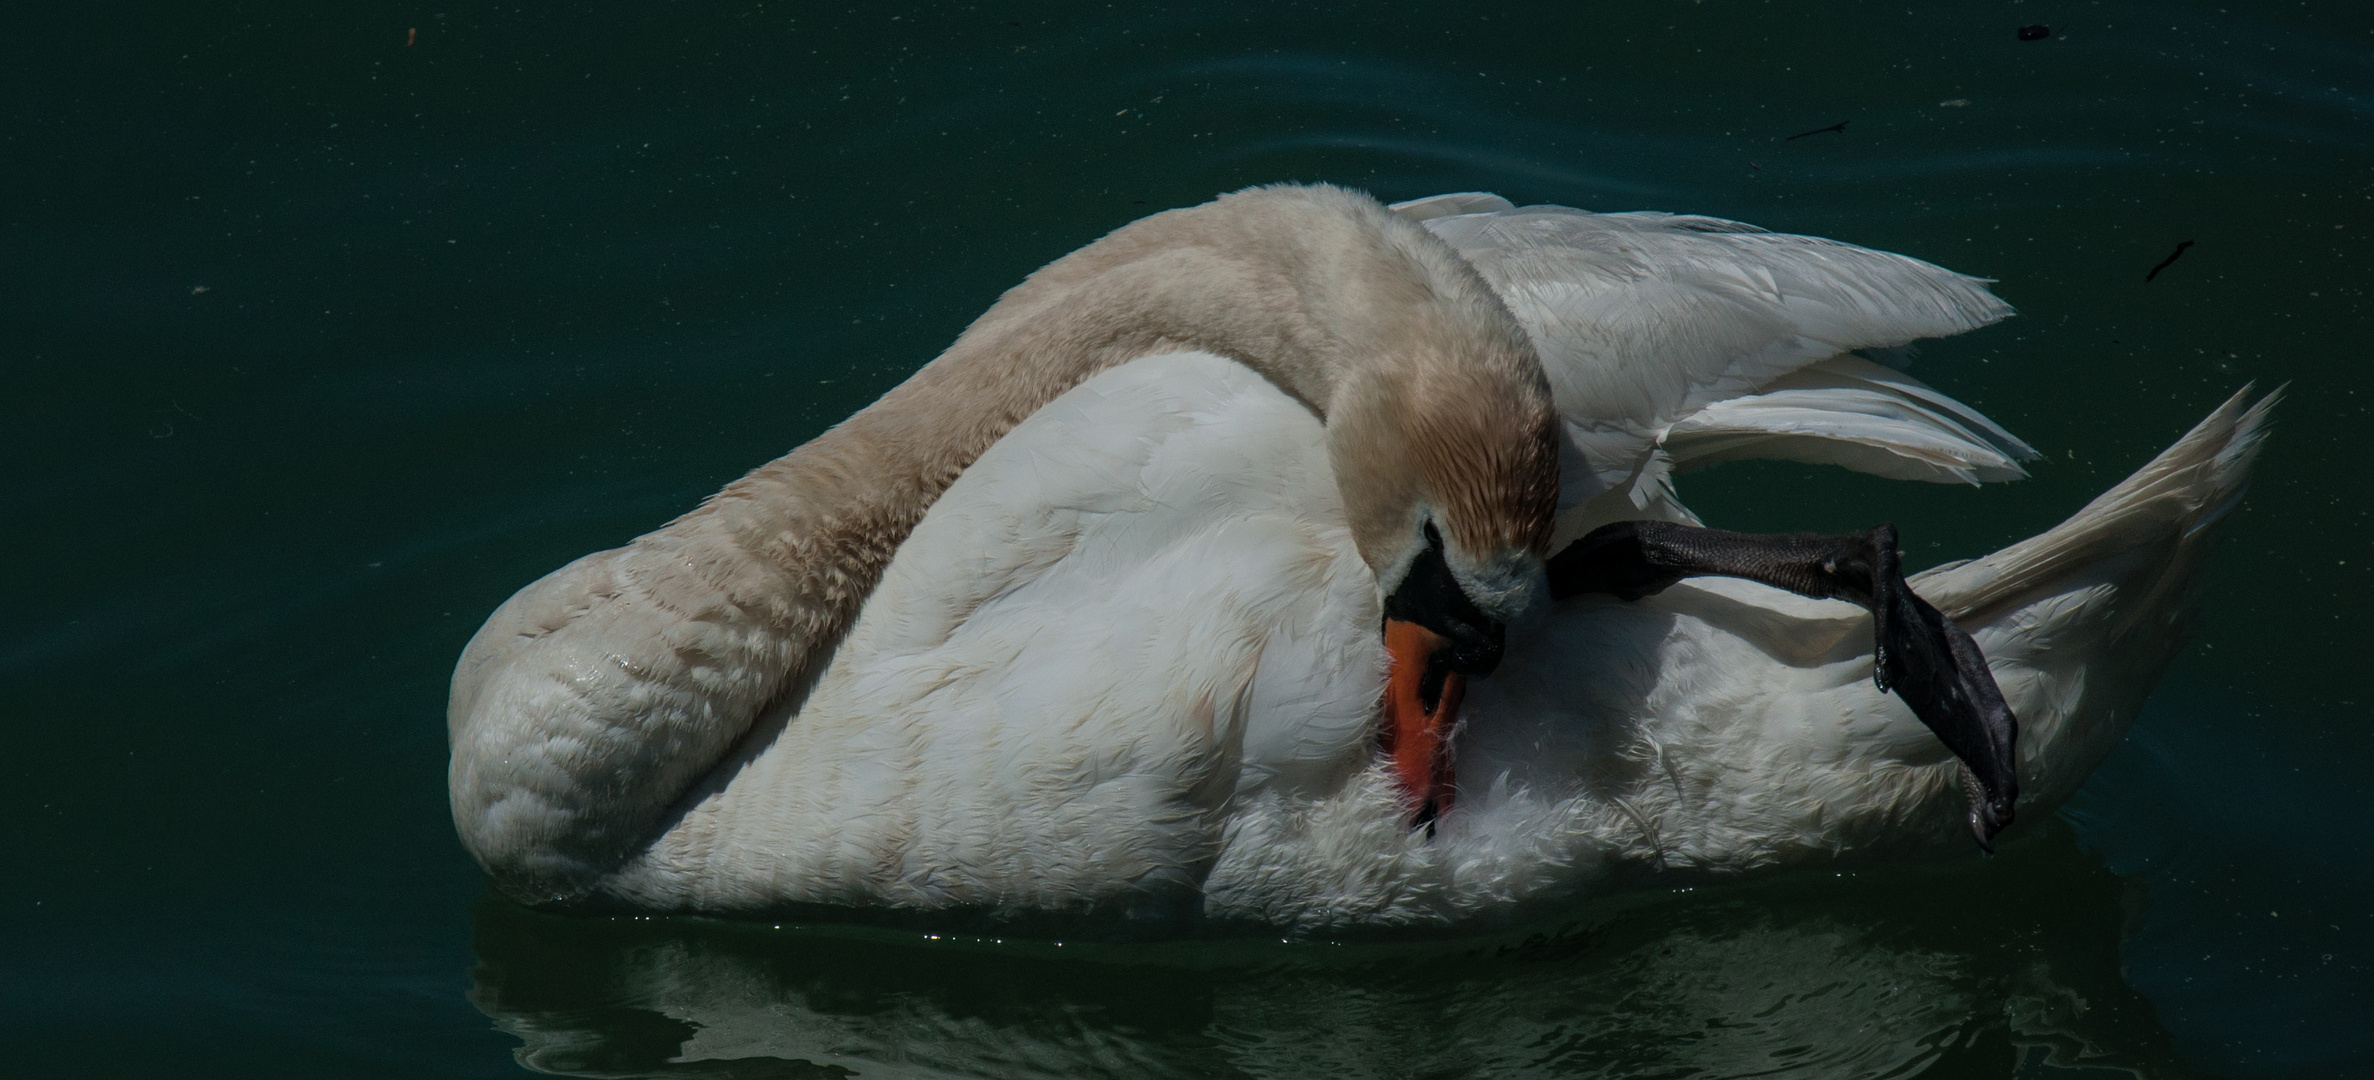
2010,967
2244,823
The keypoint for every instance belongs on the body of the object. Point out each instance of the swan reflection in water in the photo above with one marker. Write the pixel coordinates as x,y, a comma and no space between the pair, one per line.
1977,970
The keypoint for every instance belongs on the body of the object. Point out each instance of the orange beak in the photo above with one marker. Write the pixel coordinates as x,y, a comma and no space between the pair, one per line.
1421,707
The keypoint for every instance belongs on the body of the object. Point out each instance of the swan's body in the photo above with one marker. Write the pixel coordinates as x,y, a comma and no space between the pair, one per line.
1131,651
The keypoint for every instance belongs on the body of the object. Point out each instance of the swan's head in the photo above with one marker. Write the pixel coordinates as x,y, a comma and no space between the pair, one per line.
1451,504
1448,464
1440,427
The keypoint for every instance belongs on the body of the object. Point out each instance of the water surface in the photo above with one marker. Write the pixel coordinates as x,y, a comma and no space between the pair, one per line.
319,344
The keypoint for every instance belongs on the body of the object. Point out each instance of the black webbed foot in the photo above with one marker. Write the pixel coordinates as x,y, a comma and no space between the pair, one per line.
1921,656
1930,663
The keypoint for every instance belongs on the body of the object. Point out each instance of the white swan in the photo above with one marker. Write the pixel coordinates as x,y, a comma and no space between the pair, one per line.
1129,657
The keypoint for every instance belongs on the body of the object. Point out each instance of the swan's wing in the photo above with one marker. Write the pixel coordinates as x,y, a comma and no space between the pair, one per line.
1657,327
1139,602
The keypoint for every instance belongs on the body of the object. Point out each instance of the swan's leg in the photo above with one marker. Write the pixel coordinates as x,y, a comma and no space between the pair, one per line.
1921,655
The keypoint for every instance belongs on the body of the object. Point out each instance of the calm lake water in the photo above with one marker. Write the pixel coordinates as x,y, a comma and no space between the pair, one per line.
326,328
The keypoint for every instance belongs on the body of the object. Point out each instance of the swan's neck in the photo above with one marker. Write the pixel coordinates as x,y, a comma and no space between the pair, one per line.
1321,291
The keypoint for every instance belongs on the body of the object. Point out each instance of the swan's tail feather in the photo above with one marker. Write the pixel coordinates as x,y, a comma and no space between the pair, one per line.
2078,622
2173,500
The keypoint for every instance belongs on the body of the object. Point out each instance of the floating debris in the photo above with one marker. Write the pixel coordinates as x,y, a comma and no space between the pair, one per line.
1953,103
1839,127
2035,32
2169,261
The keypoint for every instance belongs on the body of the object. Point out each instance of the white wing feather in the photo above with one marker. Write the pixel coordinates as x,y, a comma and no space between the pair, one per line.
1849,411
1647,321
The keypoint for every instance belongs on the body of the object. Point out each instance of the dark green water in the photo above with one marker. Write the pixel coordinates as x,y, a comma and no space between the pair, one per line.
317,344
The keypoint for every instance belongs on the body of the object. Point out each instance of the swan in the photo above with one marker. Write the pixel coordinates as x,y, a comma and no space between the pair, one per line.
1085,615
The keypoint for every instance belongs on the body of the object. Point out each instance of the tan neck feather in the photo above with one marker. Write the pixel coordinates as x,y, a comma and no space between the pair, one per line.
1302,284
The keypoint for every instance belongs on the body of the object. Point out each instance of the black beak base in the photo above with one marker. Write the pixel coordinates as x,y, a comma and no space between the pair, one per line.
1430,596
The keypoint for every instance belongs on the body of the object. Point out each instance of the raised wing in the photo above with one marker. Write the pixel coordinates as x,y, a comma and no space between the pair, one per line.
1674,340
